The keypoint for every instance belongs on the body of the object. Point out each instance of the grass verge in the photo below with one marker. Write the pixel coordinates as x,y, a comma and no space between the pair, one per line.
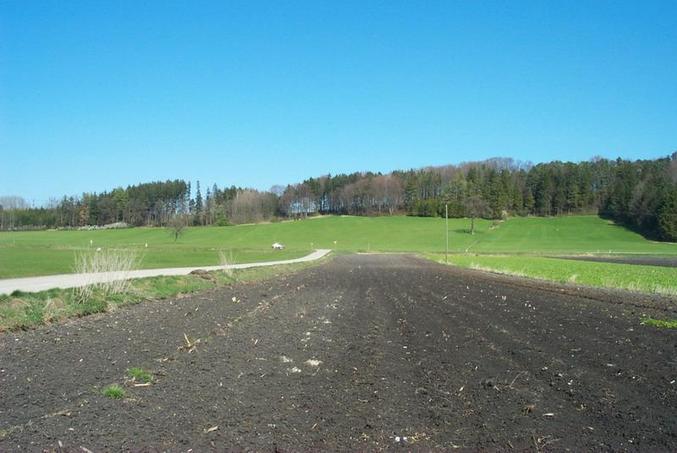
27,310
644,279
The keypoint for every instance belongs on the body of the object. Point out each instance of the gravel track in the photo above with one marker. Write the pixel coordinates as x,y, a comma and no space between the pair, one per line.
44,283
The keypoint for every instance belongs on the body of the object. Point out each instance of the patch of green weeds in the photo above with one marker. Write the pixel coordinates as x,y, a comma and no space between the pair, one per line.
114,391
660,323
140,375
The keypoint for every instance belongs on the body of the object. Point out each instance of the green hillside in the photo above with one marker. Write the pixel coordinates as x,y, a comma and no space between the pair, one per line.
50,252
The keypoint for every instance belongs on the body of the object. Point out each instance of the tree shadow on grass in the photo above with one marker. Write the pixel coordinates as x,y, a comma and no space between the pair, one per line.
466,231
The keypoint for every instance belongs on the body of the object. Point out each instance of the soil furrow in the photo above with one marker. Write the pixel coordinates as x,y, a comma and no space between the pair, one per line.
366,352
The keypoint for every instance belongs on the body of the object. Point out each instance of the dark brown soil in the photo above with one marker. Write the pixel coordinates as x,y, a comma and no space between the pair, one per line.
436,357
641,260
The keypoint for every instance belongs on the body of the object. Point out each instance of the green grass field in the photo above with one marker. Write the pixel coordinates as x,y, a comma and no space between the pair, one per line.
522,244
52,252
647,279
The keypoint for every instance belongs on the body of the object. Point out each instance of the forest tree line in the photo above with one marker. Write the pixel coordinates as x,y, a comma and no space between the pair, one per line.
148,204
641,194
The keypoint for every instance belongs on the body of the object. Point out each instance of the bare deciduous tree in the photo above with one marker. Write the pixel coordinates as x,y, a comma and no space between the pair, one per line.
177,225
251,206
475,206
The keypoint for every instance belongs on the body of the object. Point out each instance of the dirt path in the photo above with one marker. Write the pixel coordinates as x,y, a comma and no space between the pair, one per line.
354,354
33,284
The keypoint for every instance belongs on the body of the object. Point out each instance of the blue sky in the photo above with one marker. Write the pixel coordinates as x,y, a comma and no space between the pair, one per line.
97,94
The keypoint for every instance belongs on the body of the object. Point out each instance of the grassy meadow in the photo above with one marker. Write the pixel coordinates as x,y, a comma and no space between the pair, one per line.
519,246
647,279
53,252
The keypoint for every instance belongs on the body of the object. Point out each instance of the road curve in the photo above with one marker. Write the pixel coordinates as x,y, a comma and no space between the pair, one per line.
34,284
365,352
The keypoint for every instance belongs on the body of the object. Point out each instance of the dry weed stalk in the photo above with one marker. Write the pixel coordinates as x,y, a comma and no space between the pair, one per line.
113,264
190,345
226,260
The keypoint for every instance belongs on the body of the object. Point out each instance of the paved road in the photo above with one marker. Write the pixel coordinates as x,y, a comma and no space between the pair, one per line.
364,352
33,284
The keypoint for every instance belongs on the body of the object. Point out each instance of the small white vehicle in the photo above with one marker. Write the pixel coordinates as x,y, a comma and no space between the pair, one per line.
278,246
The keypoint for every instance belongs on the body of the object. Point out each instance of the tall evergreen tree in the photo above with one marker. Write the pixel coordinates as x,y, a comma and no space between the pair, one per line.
197,215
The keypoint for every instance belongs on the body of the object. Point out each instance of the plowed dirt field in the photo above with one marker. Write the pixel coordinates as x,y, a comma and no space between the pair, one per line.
363,352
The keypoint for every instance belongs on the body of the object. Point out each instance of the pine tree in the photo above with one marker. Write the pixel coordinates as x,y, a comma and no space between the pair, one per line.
667,217
187,200
209,201
199,207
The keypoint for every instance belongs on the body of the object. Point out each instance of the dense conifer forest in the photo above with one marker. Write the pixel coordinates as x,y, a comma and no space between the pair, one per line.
640,194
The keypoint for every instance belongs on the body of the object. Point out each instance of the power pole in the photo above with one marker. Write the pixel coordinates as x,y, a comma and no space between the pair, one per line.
446,224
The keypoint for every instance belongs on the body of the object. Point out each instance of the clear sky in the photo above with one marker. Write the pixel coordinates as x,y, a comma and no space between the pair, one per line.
96,94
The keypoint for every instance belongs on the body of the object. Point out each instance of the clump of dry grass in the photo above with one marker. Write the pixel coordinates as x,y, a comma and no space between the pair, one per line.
93,265
226,260
54,309
17,304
